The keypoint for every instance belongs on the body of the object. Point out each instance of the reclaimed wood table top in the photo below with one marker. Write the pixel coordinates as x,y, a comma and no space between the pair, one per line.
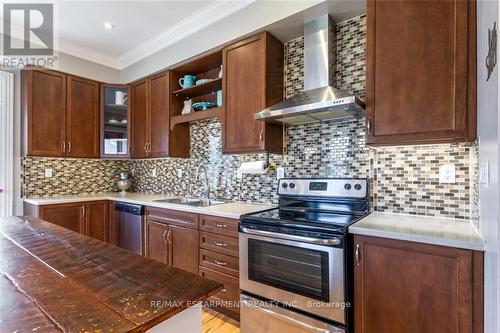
55,280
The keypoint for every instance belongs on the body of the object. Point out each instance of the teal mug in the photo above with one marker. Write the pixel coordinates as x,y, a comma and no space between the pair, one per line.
187,81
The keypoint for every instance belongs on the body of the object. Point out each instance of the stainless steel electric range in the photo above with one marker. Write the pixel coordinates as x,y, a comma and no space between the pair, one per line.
296,260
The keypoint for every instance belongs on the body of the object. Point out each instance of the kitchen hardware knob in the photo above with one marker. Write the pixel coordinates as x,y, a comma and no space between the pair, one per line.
63,146
357,255
69,146
261,135
224,290
163,236
83,211
220,244
224,226
220,263
168,236
369,125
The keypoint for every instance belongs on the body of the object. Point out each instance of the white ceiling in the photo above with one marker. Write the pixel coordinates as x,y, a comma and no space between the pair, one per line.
142,28
81,27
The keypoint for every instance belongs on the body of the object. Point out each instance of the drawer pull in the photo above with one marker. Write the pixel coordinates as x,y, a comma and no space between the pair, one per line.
220,244
223,290
221,225
220,263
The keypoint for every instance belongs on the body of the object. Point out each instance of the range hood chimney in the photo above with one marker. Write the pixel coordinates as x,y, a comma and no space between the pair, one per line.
320,100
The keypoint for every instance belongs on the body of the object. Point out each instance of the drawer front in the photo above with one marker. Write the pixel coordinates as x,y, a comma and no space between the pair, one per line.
219,225
175,217
219,262
218,243
230,295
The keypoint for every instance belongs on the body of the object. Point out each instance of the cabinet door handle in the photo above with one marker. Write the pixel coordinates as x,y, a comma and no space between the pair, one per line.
146,147
163,236
357,255
220,244
69,146
168,236
83,211
222,226
261,135
369,126
220,263
63,146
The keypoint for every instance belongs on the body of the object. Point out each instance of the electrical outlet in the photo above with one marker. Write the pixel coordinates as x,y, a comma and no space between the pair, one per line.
280,173
49,173
153,173
179,173
484,174
447,174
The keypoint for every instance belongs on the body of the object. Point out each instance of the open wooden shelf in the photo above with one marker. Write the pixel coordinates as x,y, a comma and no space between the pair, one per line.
193,116
200,89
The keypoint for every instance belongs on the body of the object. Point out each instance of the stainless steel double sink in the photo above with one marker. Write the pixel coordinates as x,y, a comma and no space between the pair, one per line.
195,202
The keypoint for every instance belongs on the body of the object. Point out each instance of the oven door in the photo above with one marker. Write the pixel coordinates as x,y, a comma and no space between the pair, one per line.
302,275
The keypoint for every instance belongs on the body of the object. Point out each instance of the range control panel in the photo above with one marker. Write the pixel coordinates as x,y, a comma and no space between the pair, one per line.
324,187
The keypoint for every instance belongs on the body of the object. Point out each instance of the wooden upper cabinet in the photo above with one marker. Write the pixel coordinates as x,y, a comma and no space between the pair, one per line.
158,246
253,80
44,99
403,286
139,118
82,115
421,71
159,118
151,133
63,114
70,216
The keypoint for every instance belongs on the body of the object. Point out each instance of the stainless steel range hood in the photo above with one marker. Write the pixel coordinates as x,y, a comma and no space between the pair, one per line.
321,100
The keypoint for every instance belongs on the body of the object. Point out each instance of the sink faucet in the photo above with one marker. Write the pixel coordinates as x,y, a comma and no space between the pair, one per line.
207,184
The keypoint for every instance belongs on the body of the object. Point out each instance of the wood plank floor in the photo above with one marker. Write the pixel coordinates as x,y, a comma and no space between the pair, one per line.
214,322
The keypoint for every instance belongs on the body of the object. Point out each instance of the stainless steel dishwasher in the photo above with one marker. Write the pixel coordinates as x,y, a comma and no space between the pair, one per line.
131,226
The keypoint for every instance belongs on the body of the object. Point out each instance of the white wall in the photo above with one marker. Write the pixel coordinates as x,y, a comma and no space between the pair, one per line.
88,69
488,132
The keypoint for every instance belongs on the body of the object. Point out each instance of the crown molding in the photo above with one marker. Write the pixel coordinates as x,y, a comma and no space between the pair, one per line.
86,54
188,26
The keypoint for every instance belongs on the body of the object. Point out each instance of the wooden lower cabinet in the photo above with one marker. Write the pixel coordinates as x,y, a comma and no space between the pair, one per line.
226,300
403,286
88,218
113,224
96,220
157,246
173,243
70,216
219,261
184,244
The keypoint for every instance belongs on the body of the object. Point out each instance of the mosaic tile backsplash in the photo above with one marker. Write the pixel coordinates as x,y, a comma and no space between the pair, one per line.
403,179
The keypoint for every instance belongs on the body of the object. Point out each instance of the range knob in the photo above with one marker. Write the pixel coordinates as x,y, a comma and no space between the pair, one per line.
292,186
357,187
284,185
347,186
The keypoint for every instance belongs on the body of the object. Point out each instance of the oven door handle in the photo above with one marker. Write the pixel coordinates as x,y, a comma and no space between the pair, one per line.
327,241
280,314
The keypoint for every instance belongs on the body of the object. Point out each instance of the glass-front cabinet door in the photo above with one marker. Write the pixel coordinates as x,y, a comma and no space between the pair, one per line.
115,117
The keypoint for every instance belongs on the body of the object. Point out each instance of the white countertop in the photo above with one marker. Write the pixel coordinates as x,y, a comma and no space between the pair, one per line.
231,209
421,229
